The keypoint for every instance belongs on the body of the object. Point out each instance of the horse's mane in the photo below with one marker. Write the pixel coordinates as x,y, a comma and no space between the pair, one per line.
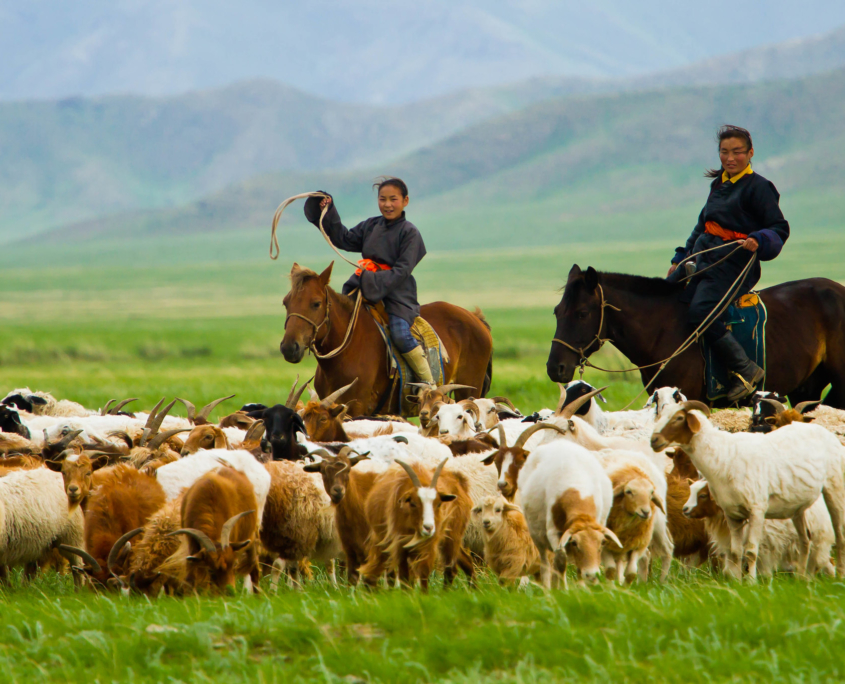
300,278
650,287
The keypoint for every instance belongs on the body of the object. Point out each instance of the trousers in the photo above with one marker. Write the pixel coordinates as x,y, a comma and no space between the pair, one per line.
400,333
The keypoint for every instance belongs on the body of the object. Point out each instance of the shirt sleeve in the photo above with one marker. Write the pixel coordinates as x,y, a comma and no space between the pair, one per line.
763,204
682,253
351,240
377,285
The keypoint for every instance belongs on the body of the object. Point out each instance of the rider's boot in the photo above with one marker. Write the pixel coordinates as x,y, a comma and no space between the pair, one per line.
419,364
745,374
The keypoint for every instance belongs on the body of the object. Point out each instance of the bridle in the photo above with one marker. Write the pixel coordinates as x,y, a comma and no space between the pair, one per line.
582,351
327,322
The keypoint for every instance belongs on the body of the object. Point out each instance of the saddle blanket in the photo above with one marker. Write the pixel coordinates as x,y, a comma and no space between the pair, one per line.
747,321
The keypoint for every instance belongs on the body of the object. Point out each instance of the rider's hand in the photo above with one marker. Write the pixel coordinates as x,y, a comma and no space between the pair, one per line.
750,244
325,202
672,269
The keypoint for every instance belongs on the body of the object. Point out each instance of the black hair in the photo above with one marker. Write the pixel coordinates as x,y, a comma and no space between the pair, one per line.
725,132
397,183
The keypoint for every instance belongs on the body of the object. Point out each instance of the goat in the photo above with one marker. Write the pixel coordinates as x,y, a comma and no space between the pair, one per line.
509,550
281,425
323,418
754,477
10,422
155,545
44,403
770,414
77,473
491,411
428,396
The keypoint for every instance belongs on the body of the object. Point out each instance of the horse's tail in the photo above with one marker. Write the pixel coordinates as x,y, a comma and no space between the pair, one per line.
488,375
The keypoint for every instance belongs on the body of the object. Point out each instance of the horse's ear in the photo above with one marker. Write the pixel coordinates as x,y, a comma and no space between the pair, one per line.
591,278
575,271
296,268
326,275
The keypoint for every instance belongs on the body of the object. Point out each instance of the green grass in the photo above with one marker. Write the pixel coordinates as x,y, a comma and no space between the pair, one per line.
694,629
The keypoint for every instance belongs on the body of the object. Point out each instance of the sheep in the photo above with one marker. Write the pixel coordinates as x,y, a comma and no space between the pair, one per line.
779,544
428,396
566,498
219,524
10,422
44,403
176,476
298,521
754,477
509,550
34,518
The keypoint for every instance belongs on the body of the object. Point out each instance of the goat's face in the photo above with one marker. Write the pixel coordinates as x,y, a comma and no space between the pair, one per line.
637,496
455,420
335,471
509,462
428,400
205,437
280,427
419,510
488,413
490,514
700,503
581,545
10,421
308,298
217,570
663,398
679,424
77,472
324,424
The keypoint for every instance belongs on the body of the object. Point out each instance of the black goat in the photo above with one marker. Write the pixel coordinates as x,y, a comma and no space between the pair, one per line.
10,421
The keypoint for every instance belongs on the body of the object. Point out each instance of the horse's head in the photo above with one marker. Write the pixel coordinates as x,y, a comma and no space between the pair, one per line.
307,311
578,320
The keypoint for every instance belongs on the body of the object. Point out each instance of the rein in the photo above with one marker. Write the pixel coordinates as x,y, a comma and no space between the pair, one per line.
312,345
717,311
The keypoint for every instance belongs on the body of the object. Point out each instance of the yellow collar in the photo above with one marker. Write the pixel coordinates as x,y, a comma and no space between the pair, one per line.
746,171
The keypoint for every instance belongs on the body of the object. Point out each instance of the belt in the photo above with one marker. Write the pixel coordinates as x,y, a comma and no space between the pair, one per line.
372,266
714,228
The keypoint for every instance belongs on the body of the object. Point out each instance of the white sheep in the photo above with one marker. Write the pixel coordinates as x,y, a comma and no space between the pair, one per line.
757,476
45,404
34,517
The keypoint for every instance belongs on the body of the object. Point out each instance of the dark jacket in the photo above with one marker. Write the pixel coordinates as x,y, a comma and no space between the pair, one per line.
397,244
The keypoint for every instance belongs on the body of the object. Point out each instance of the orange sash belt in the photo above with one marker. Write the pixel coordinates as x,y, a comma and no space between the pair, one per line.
372,266
714,228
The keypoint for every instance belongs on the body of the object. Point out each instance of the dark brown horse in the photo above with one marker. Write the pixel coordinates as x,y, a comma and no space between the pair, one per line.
805,332
319,316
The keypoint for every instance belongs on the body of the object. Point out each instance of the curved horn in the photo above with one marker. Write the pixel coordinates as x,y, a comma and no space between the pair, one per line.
124,436
570,409
84,555
206,410
255,432
696,406
400,439
322,453
437,472
334,396
503,440
123,403
162,437
779,408
293,399
160,416
804,405
408,469
505,401
524,436
118,547
65,441
451,387
200,537
189,407
106,407
313,394
151,418
292,390
145,435
229,525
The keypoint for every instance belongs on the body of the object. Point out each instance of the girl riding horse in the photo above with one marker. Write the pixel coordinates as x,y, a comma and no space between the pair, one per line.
742,206
391,246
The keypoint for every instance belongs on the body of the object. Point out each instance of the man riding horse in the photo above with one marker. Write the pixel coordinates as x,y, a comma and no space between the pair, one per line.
743,206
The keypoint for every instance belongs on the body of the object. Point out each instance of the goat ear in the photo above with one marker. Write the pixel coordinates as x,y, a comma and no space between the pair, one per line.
412,399
591,278
237,546
488,460
809,419
448,497
312,467
658,502
55,466
693,422
335,411
618,489
571,425
511,507
326,275
770,420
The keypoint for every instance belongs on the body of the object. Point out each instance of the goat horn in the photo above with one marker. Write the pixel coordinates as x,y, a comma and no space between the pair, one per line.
117,548
334,396
189,407
226,532
105,410
437,472
804,405
415,480
84,555
206,410
322,453
696,406
780,408
292,390
160,416
125,437
570,409
256,430
452,387
200,537
526,434
313,394
294,399
418,384
123,403
162,437
151,418
503,440
145,435
400,439
505,401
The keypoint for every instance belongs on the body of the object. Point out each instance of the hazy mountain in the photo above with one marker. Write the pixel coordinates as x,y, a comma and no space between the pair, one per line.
371,50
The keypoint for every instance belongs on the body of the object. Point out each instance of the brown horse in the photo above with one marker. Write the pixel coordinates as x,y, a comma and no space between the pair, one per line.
805,332
318,317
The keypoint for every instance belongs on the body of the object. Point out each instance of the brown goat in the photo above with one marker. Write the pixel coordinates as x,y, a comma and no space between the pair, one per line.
428,396
509,550
408,523
78,473
462,447
206,436
323,418
219,506
689,534
155,545
348,490
238,419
